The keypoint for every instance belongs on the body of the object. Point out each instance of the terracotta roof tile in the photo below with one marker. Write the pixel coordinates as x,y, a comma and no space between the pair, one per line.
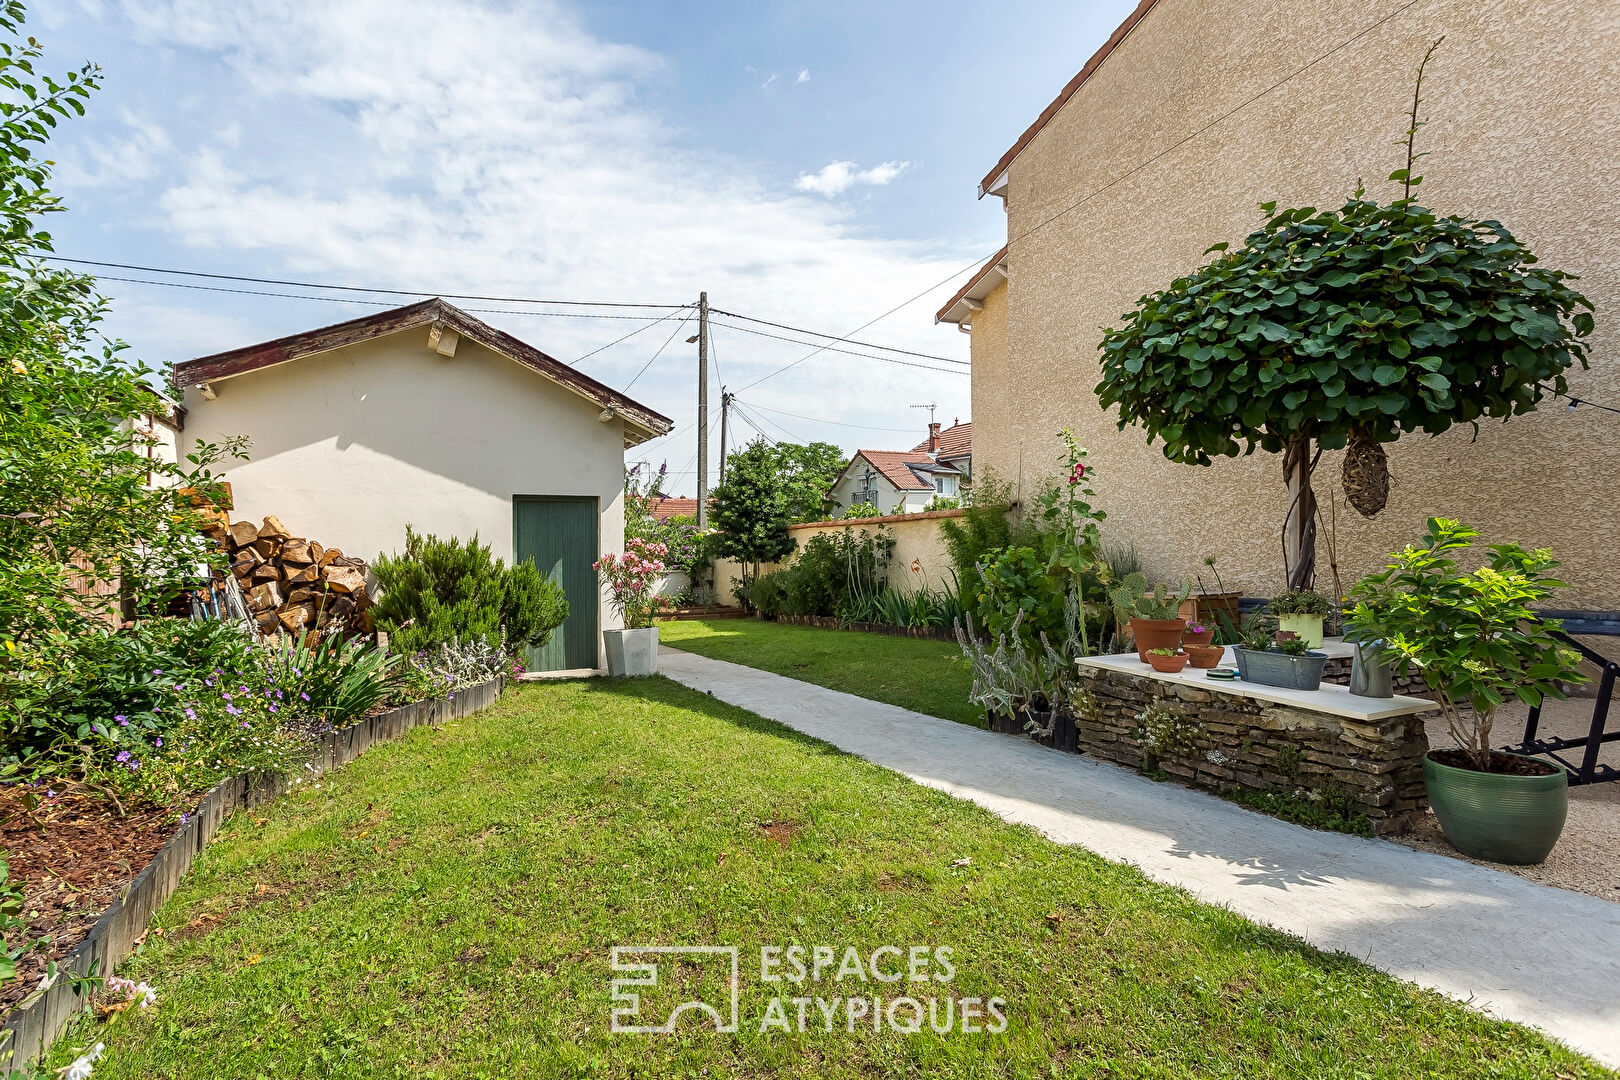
665,508
954,441
894,466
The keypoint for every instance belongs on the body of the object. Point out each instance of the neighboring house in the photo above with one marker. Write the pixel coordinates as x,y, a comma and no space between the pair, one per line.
663,507
953,447
1168,139
894,481
426,416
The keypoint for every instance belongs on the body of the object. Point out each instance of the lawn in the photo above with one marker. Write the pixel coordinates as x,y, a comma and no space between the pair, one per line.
914,673
445,907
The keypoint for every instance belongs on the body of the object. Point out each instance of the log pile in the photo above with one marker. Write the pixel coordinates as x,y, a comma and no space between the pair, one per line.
294,585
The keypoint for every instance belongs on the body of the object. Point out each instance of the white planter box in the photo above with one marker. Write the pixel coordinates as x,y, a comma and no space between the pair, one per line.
631,652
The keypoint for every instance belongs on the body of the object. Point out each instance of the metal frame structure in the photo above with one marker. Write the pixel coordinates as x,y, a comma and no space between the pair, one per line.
1590,771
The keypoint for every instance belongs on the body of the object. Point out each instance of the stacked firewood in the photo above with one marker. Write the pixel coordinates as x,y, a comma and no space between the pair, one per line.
295,585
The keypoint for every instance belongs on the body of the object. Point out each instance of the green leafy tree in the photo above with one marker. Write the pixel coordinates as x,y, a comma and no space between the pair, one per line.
1343,329
79,497
750,511
440,591
1473,634
808,471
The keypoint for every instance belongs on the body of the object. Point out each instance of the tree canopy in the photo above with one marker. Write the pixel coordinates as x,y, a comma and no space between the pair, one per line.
751,510
1370,319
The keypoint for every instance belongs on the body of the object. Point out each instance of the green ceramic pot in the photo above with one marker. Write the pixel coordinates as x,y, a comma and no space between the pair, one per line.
1505,819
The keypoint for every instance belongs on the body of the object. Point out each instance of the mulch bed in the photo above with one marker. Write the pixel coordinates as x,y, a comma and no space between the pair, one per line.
73,856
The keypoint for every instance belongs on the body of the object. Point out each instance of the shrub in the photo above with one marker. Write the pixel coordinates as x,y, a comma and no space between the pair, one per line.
441,591
453,666
764,594
983,529
835,574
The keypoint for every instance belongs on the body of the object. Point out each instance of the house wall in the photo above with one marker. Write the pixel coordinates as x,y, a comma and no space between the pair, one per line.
350,446
993,428
1524,107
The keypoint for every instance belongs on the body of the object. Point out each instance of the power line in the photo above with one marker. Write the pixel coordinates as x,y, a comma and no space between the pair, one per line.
353,288
684,320
846,352
631,334
819,334
822,348
818,420
375,303
777,424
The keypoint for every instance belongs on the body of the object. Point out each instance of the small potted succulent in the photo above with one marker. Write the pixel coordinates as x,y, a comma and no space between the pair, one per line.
1167,661
1153,617
1301,611
1288,663
1204,656
1197,634
1475,638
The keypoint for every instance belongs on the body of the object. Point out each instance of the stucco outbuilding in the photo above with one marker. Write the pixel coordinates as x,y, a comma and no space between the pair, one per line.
426,416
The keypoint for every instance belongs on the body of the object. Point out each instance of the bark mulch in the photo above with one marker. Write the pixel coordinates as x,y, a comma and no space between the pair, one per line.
73,856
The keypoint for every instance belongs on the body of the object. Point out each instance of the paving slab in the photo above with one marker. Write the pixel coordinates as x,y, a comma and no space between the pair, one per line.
1520,951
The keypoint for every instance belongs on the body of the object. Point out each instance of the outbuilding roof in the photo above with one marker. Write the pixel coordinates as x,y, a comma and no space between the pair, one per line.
641,423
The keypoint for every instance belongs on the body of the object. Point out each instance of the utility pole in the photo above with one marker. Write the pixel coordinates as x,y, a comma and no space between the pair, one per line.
725,409
703,412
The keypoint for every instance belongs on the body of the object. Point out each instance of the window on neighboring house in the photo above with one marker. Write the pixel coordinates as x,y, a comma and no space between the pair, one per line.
867,492
944,485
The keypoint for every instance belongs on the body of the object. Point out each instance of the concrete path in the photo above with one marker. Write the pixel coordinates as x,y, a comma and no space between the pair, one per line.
1520,951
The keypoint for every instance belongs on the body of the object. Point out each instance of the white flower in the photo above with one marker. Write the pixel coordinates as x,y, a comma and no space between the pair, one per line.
83,1066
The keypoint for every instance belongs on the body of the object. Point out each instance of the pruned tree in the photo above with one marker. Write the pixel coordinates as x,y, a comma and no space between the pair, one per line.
1344,329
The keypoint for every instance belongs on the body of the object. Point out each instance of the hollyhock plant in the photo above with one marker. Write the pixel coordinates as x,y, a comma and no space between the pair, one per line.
631,579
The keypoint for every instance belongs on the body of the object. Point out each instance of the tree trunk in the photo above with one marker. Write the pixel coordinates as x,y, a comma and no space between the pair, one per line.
1299,527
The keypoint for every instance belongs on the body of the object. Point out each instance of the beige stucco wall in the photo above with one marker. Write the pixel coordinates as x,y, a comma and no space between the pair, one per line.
1524,103
993,428
919,559
350,446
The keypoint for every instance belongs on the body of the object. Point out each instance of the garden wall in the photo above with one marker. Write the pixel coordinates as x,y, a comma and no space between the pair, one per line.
920,558
30,1028
1245,743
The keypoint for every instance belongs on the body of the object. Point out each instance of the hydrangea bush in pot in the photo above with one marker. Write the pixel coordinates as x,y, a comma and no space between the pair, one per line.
631,580
1475,638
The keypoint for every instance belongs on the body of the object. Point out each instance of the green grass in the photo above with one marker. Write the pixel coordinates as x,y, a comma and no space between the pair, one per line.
445,906
914,673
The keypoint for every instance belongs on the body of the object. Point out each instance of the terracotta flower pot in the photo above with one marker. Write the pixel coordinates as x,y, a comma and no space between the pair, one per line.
1169,665
1204,656
1205,636
1156,634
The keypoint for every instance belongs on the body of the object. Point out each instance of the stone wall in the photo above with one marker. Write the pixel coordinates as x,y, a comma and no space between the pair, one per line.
1243,743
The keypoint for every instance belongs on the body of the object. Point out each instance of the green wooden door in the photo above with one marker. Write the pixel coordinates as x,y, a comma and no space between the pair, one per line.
559,535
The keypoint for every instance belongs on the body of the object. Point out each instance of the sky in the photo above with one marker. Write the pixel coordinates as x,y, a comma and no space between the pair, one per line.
812,164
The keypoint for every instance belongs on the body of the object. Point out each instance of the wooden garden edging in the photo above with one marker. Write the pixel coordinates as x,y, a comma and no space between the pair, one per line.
29,1029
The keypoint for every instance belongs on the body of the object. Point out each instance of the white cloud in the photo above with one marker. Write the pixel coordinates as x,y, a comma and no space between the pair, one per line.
498,148
804,75
838,177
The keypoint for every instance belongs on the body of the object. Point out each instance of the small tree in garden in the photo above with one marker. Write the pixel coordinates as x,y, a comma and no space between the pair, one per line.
1343,329
750,511
631,578
1473,635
